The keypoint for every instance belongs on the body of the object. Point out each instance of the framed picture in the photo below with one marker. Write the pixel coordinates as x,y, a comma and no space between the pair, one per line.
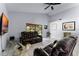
3,24
45,26
68,26
0,25
34,27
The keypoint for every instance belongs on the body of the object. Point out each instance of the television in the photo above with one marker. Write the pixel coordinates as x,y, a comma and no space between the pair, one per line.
3,24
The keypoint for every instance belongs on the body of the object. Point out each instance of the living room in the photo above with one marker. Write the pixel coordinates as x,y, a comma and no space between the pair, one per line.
43,23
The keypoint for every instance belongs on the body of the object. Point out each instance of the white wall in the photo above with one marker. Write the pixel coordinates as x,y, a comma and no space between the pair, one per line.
66,16
3,38
18,22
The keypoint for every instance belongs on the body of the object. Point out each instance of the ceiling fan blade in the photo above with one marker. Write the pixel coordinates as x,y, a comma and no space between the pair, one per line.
52,3
47,7
56,3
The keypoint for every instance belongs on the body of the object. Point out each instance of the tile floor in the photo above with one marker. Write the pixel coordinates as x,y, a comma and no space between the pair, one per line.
46,41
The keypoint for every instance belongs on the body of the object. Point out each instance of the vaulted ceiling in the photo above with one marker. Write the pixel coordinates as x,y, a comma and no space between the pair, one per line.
38,7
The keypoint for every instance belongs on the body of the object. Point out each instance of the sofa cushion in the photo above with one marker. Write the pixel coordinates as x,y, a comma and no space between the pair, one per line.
48,50
41,52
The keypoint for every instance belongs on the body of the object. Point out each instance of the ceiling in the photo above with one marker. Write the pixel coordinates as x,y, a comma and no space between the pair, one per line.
38,7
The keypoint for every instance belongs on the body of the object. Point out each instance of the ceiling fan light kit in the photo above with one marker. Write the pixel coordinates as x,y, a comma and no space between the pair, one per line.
51,5
52,8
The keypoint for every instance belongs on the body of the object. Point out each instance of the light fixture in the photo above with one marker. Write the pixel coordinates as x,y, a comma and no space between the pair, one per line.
52,7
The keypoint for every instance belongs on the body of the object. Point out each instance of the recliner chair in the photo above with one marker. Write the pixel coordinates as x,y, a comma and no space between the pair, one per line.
63,47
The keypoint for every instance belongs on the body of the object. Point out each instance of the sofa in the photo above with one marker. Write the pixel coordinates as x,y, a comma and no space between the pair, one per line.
63,47
30,37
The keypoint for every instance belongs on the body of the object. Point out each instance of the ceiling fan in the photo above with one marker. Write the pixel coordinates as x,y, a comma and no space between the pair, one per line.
51,5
